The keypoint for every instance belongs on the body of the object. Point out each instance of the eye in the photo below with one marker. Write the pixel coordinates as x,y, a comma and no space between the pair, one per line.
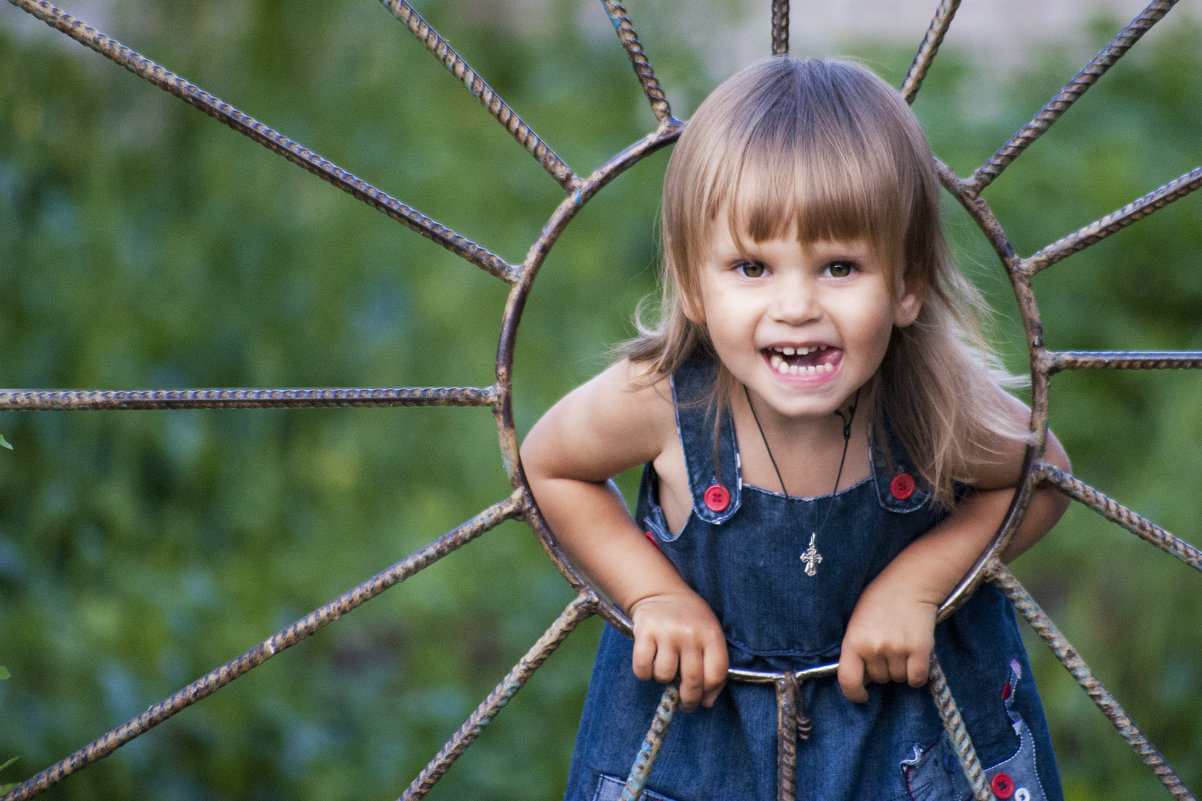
750,269
841,269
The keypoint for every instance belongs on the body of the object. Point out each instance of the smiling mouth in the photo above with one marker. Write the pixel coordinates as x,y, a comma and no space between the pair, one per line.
802,361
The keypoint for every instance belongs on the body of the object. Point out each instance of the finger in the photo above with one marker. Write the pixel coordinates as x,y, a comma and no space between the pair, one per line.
691,678
877,670
898,664
717,662
643,658
851,678
918,669
667,663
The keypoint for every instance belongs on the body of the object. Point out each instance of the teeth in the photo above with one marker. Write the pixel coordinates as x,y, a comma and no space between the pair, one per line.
802,351
784,368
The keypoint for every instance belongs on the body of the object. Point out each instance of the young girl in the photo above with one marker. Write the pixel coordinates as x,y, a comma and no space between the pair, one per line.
827,452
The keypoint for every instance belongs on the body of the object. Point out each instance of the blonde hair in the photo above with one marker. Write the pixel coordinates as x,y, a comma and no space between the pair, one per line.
828,149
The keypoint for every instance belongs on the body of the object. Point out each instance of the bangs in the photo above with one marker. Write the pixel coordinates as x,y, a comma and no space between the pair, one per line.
824,148
825,196
821,163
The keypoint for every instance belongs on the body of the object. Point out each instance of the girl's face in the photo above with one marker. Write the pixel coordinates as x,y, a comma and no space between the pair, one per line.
803,326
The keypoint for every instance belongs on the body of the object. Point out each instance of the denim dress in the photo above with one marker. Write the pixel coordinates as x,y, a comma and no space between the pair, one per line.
741,550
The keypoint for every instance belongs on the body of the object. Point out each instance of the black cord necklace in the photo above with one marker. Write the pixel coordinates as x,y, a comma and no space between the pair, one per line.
811,557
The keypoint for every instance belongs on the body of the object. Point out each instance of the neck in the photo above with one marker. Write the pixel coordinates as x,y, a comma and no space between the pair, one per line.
800,463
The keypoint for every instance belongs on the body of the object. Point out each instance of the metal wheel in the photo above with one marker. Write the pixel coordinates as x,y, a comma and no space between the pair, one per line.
512,281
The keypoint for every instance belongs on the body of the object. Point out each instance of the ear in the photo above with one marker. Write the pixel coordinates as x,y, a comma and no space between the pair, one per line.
908,305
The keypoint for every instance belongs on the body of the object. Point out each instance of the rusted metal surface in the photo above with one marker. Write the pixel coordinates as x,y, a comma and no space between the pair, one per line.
637,780
277,143
1053,362
499,397
638,59
498,108
929,47
1115,221
578,610
792,724
1072,661
69,400
780,27
1115,512
953,723
205,686
562,216
1087,77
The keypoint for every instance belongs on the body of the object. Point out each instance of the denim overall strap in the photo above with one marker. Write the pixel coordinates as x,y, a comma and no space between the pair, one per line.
712,460
898,488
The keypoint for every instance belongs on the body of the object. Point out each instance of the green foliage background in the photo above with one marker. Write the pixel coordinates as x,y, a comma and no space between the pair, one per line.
144,246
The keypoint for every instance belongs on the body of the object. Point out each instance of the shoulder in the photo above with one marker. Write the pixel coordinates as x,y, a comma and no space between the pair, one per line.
1000,457
622,417
627,394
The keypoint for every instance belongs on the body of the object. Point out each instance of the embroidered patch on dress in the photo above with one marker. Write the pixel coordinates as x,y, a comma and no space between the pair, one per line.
935,774
1016,778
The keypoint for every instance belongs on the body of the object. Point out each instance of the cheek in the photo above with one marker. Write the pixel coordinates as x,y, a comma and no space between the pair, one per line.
876,330
701,302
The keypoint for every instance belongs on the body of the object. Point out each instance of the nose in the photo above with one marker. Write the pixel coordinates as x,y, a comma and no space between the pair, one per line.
795,300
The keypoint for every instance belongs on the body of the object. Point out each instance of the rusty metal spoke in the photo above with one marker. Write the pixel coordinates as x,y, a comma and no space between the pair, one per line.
645,759
510,508
1087,77
791,724
581,608
780,27
1115,512
1055,361
81,400
518,128
272,140
929,48
1089,682
953,723
1114,222
638,58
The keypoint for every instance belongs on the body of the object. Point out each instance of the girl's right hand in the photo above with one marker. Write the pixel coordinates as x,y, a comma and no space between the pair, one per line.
677,634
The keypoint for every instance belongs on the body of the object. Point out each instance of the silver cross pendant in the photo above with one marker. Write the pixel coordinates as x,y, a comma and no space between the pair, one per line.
811,557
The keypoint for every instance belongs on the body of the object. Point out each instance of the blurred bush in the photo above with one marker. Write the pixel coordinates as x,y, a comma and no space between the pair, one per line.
143,246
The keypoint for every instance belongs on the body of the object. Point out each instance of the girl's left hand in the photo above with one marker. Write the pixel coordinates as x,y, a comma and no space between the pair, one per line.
889,638
891,634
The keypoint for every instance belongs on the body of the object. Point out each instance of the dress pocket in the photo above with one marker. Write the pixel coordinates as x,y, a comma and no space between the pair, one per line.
935,774
609,788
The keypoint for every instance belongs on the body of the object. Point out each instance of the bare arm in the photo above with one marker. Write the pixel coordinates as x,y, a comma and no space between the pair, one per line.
890,636
606,426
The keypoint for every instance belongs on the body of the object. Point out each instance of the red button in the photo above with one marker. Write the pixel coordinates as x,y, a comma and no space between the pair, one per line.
654,541
1002,786
902,486
717,498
